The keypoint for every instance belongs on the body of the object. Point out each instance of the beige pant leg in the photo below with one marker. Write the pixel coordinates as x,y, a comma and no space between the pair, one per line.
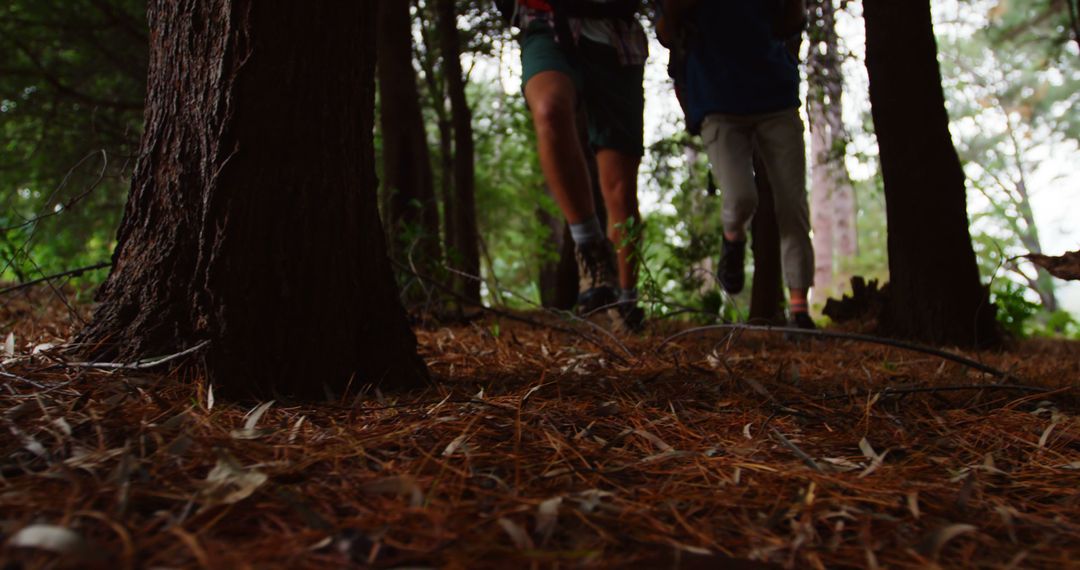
729,144
779,139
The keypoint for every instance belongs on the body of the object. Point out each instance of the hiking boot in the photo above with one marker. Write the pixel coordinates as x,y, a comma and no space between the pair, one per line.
732,266
597,278
627,317
802,321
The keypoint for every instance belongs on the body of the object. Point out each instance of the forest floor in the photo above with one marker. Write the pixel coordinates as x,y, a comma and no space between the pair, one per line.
538,449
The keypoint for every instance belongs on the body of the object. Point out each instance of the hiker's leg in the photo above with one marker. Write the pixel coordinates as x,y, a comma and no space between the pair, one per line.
728,141
614,97
618,184
779,138
552,99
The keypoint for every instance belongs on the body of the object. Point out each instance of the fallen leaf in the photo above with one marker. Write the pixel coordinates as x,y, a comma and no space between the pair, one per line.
229,482
253,417
1065,266
931,544
51,538
517,534
9,345
453,446
209,397
547,515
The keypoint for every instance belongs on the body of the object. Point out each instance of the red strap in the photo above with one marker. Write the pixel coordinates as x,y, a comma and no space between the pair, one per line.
536,5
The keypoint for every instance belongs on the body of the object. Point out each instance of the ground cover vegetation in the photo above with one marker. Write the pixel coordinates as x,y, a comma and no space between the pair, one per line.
397,379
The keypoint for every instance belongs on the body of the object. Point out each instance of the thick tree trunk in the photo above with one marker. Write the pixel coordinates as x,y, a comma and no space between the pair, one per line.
466,235
767,292
413,213
252,218
935,293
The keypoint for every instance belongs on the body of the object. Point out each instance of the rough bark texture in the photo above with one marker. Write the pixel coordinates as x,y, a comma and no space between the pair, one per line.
466,255
252,217
767,292
935,293
412,212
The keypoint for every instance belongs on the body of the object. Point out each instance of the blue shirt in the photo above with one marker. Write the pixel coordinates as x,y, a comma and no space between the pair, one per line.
734,64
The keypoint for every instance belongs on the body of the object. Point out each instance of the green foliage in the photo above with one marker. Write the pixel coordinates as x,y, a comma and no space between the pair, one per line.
72,78
1014,310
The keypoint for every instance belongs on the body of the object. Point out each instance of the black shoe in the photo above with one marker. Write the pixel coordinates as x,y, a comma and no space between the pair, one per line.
627,317
597,278
732,266
802,321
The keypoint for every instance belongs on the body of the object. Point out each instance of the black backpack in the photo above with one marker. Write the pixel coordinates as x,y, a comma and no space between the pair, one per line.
619,9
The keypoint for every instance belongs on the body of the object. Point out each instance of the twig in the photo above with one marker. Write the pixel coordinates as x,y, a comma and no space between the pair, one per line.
511,316
140,365
11,376
809,461
66,205
72,272
853,337
558,313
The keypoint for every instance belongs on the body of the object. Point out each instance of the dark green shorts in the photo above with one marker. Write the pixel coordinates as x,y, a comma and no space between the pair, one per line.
613,94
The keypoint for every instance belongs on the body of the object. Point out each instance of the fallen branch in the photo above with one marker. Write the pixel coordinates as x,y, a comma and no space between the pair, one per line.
140,365
935,389
943,354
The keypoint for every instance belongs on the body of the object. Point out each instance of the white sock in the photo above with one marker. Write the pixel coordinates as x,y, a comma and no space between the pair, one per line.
588,231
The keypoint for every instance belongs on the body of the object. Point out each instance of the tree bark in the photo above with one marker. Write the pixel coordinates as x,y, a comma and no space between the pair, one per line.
935,292
413,213
252,219
466,234
767,291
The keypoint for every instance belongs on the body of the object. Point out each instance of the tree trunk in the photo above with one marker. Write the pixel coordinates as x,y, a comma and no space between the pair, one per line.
466,235
822,211
832,193
413,213
252,218
558,279
935,293
767,291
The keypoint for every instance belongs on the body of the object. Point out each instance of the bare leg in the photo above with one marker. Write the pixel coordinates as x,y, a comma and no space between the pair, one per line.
552,99
618,184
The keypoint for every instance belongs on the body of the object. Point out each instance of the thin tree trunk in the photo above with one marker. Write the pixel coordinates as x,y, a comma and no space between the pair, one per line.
412,213
832,193
935,294
1029,236
767,292
822,210
252,218
466,234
